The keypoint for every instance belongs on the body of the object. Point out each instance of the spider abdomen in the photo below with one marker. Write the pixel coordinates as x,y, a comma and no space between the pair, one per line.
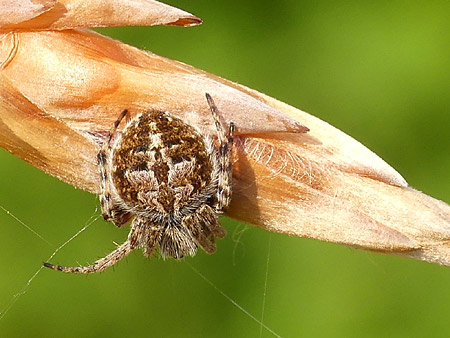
161,164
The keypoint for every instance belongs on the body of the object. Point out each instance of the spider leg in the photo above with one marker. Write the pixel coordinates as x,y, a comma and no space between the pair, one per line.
224,158
204,227
177,242
111,212
103,263
151,235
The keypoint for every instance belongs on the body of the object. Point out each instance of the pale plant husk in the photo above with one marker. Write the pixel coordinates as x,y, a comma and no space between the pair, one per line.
67,14
60,93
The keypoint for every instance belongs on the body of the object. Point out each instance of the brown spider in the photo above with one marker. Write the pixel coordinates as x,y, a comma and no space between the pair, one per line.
170,178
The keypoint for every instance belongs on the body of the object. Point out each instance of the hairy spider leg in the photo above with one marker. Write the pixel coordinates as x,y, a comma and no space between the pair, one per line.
110,211
224,155
103,263
204,227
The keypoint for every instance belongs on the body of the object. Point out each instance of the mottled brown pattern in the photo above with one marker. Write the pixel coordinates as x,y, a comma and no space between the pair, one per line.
168,177
177,144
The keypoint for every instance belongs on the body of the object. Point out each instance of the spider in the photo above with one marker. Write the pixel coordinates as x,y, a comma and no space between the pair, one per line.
170,178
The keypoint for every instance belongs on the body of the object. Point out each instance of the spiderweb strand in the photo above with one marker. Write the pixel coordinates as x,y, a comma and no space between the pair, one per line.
233,301
27,285
265,288
23,224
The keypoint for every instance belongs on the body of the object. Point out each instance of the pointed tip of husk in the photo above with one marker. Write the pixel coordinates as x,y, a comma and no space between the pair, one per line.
71,14
187,22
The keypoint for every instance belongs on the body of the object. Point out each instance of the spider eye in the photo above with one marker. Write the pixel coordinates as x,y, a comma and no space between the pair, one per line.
163,118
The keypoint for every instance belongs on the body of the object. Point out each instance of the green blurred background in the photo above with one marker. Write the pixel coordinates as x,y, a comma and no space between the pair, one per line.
378,70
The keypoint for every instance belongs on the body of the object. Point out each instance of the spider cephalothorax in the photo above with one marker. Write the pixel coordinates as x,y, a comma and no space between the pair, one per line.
168,177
